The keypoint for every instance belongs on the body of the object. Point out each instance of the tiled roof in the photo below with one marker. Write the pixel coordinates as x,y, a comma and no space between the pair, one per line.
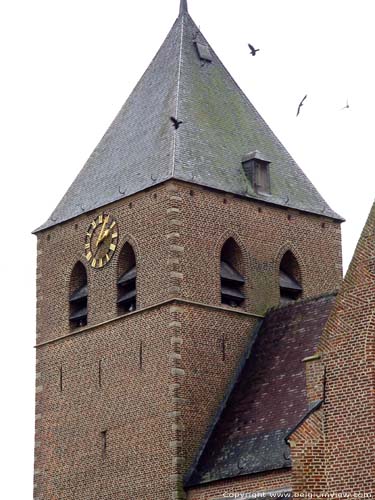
268,399
220,126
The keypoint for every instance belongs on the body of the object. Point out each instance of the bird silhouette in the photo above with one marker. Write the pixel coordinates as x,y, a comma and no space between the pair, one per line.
301,104
347,105
176,123
253,49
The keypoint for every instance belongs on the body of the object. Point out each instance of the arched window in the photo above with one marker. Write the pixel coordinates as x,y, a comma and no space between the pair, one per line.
78,296
231,269
289,279
127,281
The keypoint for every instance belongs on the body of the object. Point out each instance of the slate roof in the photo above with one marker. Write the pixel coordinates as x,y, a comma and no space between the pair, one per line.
220,126
267,399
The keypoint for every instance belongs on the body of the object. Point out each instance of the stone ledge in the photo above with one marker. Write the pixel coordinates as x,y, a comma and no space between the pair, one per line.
175,444
174,414
174,355
171,187
178,372
174,388
175,222
175,324
176,340
178,300
315,357
173,235
178,460
176,309
173,211
176,477
176,274
176,248
177,427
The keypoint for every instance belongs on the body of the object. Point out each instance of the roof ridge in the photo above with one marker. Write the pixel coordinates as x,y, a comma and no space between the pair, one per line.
178,94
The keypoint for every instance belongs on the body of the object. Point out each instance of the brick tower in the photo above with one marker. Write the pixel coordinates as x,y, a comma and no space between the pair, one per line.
187,223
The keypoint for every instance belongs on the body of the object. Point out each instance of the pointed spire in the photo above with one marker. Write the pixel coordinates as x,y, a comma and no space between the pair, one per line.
183,7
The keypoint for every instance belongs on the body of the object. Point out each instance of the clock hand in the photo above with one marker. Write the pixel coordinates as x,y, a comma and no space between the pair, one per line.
96,251
104,236
100,238
106,233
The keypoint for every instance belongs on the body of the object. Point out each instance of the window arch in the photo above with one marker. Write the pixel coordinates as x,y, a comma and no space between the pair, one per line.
78,296
231,269
127,281
289,279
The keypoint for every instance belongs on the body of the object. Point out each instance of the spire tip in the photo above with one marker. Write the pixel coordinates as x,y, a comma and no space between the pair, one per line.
183,7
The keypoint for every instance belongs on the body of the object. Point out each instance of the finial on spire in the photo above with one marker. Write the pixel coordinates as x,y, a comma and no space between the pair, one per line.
183,6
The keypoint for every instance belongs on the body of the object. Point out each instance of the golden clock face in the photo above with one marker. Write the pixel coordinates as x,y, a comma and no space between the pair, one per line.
101,241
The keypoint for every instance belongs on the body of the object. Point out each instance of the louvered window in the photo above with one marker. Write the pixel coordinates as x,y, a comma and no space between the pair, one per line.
232,281
78,297
261,177
127,282
289,279
231,285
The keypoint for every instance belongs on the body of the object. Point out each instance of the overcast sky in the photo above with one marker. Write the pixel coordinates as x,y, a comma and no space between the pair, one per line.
68,66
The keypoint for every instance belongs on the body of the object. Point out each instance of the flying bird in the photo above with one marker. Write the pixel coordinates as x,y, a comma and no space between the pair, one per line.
176,123
301,104
347,105
253,49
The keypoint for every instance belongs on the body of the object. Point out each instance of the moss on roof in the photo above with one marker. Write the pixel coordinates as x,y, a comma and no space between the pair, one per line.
141,148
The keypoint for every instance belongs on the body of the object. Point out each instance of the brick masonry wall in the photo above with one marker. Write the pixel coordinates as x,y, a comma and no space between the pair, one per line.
106,386
264,233
348,346
177,232
334,449
142,222
307,443
308,456
213,344
315,378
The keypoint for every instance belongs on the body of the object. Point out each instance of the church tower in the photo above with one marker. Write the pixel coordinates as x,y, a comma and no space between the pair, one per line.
187,223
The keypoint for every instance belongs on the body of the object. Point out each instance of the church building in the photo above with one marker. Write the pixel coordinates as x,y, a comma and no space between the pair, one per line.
195,338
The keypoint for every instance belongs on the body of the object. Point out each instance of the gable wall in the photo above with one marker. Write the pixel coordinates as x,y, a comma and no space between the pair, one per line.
348,346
